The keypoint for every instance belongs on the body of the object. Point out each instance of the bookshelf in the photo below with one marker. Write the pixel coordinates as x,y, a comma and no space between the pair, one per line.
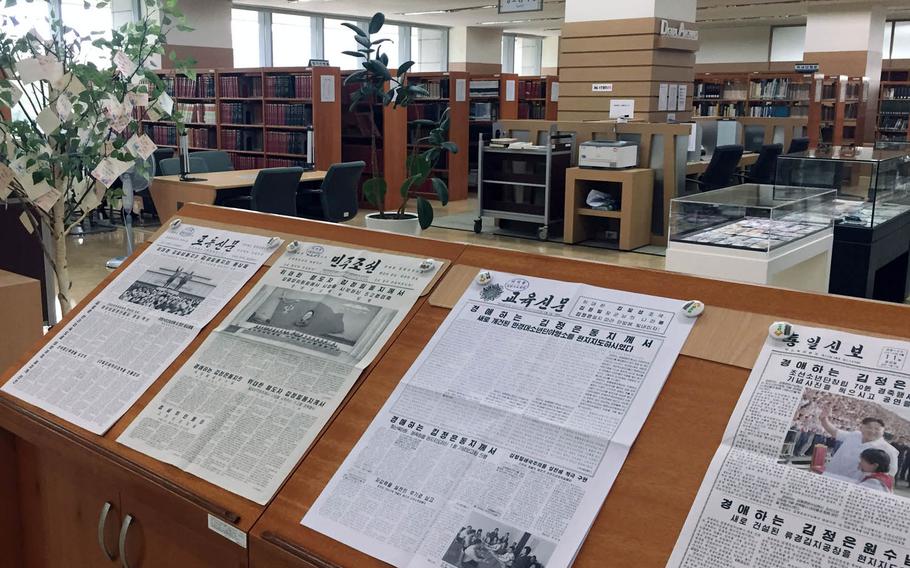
538,97
893,106
837,110
446,90
489,101
262,117
759,95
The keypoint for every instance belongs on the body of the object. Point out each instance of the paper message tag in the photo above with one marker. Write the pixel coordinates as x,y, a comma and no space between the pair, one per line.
124,64
64,107
6,178
48,199
26,222
141,146
43,67
108,170
166,103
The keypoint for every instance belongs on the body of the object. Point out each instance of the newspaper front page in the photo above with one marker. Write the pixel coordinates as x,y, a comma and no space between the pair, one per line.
247,405
499,445
121,342
813,467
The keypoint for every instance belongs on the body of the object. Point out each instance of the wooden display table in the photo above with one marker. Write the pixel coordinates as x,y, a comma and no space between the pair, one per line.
56,480
635,197
169,193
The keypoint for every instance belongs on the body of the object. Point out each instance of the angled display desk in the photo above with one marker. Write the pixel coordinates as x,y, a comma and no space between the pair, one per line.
66,492
642,516
169,193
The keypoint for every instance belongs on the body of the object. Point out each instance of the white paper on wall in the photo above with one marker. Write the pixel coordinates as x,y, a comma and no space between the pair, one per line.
554,92
461,87
673,97
681,97
327,88
662,95
510,90
620,108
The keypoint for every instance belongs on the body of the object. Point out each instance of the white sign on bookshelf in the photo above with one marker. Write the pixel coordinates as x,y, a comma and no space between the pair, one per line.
327,89
601,87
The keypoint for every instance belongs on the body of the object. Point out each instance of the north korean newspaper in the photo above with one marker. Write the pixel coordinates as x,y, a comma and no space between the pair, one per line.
247,405
813,466
500,443
119,344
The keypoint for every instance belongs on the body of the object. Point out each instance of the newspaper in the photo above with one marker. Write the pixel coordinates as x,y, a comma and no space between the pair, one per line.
247,405
504,437
813,466
121,342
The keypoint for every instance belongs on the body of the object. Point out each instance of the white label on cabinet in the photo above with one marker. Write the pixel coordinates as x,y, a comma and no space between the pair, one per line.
327,89
510,90
681,93
228,531
601,87
554,92
663,94
461,88
672,97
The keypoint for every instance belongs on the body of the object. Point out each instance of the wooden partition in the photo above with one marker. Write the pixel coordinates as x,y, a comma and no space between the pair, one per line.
662,473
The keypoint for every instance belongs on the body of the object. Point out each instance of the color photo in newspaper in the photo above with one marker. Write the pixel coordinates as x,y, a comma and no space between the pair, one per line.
500,443
813,467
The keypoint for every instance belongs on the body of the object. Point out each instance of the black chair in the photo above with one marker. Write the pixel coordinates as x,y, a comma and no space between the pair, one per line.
338,196
274,191
798,145
764,168
721,168
171,166
215,160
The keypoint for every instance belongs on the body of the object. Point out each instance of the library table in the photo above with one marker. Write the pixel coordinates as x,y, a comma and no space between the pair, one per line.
699,166
169,193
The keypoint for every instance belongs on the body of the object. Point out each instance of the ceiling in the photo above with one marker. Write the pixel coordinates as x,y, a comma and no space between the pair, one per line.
710,13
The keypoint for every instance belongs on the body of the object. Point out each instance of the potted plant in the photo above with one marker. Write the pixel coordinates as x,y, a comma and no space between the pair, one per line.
390,87
74,126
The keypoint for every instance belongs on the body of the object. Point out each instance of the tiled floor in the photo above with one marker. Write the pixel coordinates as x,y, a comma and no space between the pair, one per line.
88,255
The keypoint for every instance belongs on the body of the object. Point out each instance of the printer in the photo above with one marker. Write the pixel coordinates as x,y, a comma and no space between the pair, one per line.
607,154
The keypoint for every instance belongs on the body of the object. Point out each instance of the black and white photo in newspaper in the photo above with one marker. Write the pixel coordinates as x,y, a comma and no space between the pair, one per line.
500,443
112,350
813,466
244,409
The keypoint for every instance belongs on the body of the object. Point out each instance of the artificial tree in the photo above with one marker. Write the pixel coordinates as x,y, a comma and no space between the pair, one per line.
380,84
75,125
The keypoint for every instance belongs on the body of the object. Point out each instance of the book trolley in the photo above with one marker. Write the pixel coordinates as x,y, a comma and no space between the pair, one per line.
60,481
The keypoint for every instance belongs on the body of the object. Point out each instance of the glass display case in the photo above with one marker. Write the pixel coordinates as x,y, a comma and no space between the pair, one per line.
753,217
872,184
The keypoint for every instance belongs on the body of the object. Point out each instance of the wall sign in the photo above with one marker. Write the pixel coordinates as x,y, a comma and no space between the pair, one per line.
601,87
512,6
805,67
318,63
669,28
622,108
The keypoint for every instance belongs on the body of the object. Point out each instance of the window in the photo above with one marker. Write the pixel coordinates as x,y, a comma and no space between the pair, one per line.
527,55
338,38
93,22
900,49
390,48
429,49
291,40
21,17
245,38
886,41
788,43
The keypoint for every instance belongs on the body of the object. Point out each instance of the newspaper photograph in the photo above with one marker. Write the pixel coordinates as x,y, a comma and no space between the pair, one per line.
501,442
120,343
813,466
251,400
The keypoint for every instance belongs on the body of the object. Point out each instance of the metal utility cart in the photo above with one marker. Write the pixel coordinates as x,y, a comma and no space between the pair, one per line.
524,184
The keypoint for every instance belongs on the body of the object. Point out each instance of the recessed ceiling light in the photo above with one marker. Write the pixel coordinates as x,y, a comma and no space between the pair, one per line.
448,11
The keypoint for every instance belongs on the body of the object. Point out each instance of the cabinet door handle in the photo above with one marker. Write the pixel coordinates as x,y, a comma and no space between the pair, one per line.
127,521
102,522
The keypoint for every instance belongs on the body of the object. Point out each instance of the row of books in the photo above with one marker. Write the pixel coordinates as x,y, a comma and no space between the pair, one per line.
437,89
484,111
536,110
180,86
289,86
780,88
428,111
484,88
241,113
197,112
290,142
282,114
893,123
242,162
240,86
285,163
166,135
532,90
720,109
240,139
770,111
895,93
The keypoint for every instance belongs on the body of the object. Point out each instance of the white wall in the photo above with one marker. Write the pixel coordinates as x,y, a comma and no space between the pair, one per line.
550,56
844,30
211,20
733,45
788,43
484,45
458,44
594,10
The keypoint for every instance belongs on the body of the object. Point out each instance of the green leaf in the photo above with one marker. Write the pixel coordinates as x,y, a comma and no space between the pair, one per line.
355,54
385,62
374,190
378,68
424,213
418,166
363,40
441,189
356,29
376,22
404,68
378,41
423,122
406,186
355,77
450,146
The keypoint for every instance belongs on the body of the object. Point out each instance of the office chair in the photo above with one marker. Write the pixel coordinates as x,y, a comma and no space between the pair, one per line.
764,168
798,145
720,169
171,166
338,196
215,160
274,191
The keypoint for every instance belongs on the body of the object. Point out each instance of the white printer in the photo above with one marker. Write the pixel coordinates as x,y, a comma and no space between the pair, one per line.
607,154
